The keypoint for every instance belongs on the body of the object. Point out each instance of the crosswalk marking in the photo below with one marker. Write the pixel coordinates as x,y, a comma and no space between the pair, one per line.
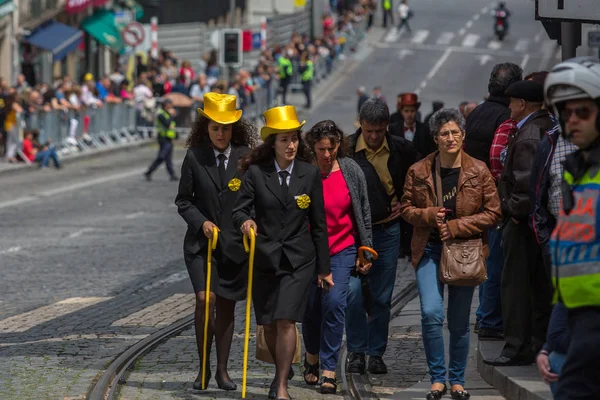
163,313
494,45
420,36
392,35
445,39
470,40
24,322
522,45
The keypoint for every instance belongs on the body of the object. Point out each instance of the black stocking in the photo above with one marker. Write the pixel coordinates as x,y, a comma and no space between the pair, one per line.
224,335
199,325
285,347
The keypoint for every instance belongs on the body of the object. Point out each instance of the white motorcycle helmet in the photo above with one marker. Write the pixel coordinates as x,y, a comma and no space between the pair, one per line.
573,79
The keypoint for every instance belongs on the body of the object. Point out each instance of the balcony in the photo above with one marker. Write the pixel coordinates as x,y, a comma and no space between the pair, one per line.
32,12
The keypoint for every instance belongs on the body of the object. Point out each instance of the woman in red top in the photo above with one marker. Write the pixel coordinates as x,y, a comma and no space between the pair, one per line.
348,218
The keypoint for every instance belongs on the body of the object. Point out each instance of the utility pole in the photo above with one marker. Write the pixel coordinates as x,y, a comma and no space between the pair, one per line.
570,39
229,68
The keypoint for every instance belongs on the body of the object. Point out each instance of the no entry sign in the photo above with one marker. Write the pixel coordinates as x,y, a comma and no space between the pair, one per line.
133,34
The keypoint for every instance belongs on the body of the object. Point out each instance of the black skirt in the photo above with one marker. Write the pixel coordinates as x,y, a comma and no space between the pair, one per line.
229,279
283,293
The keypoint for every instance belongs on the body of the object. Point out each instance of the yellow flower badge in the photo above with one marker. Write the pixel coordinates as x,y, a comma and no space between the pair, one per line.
234,184
303,201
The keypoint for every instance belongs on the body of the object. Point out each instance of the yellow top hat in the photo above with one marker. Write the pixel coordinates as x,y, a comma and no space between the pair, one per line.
280,119
220,108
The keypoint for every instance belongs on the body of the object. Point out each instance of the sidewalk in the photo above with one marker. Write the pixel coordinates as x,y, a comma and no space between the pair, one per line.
409,379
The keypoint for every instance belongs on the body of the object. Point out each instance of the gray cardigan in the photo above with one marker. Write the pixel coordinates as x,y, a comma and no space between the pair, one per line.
357,185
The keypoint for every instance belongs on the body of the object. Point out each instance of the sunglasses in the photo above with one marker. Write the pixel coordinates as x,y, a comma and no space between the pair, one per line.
584,113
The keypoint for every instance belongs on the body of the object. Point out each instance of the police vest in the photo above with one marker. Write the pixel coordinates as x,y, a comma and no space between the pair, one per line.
164,131
308,73
575,244
387,5
285,68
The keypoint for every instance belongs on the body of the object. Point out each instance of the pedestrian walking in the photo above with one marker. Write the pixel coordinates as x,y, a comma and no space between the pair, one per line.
208,189
387,12
165,129
281,195
307,72
286,71
384,160
448,197
405,13
348,217
573,91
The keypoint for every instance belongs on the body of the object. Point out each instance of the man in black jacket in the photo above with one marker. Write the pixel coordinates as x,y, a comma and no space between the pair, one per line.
407,125
384,159
526,284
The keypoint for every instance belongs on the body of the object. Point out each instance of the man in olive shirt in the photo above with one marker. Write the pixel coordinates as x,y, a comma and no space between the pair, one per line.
384,159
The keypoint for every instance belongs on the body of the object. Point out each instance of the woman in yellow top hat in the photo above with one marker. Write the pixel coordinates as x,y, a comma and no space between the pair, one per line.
208,189
286,195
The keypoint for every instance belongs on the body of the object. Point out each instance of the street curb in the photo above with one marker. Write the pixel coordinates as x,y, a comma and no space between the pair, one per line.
69,159
514,383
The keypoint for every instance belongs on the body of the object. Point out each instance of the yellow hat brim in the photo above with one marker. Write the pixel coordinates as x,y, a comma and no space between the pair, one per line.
286,126
225,118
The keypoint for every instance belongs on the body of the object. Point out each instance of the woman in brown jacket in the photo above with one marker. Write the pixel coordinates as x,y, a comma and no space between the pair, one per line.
471,206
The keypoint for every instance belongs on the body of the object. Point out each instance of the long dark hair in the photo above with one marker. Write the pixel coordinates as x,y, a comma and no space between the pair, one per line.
243,133
326,129
264,154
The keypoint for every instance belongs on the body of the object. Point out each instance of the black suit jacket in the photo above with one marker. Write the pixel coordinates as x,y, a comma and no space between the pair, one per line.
283,227
423,140
201,198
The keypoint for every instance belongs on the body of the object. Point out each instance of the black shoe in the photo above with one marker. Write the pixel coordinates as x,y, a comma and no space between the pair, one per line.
291,373
311,369
356,363
502,361
148,176
328,389
376,365
436,394
490,334
174,178
460,394
477,328
198,382
272,391
229,385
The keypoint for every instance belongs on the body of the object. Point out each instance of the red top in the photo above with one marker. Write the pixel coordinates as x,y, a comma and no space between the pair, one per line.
499,143
338,212
28,149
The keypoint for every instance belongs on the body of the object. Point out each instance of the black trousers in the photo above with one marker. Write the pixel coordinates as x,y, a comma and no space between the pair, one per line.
165,154
526,292
283,85
306,88
580,375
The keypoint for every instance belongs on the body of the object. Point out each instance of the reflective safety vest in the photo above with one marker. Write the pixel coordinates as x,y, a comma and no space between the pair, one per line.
308,73
387,5
164,131
575,244
285,68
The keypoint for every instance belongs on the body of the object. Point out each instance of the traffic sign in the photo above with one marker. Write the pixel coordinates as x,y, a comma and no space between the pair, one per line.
230,47
594,39
568,10
133,34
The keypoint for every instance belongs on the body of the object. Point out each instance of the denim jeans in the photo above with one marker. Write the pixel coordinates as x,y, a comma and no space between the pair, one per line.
381,278
431,296
557,360
490,306
43,157
323,323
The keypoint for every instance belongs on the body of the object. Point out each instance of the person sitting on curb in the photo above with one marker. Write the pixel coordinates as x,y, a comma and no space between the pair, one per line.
41,156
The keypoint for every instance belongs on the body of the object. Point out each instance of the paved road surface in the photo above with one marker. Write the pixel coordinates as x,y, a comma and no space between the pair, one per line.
91,255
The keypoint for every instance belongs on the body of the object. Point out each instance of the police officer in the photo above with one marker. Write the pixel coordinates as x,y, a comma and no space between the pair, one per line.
165,130
307,69
286,70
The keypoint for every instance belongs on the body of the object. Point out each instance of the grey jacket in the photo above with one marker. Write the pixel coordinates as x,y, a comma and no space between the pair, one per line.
357,185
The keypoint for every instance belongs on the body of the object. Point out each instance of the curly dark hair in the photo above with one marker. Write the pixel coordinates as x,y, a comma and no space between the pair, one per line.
244,133
326,129
264,155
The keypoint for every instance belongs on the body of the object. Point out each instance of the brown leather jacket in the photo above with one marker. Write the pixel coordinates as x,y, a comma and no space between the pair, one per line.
477,203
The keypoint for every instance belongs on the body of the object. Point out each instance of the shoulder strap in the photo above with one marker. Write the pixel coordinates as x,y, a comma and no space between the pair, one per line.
438,183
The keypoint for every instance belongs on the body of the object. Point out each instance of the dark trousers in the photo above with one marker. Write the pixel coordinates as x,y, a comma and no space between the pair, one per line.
306,87
526,292
406,231
387,14
580,376
490,307
404,22
283,86
165,154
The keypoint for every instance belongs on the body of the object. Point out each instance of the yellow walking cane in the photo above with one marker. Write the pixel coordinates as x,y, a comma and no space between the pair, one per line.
249,249
212,244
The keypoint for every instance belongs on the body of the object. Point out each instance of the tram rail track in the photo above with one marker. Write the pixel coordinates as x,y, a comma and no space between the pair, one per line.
107,385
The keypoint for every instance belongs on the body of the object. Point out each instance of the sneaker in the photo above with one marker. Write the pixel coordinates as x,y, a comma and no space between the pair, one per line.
377,366
476,329
356,363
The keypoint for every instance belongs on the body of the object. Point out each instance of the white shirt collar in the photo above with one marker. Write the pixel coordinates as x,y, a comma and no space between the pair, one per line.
288,169
227,152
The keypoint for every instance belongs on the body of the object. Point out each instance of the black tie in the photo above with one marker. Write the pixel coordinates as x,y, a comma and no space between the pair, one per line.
284,185
221,168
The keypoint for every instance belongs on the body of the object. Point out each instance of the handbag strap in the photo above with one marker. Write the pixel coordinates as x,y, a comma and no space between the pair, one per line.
438,183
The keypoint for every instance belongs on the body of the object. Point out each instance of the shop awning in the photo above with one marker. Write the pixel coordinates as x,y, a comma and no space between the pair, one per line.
6,7
102,27
59,39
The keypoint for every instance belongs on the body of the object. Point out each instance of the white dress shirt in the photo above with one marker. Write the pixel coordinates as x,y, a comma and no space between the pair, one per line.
227,153
288,169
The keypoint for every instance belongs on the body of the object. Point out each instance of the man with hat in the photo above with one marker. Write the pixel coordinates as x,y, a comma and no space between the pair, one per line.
165,131
409,127
526,286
